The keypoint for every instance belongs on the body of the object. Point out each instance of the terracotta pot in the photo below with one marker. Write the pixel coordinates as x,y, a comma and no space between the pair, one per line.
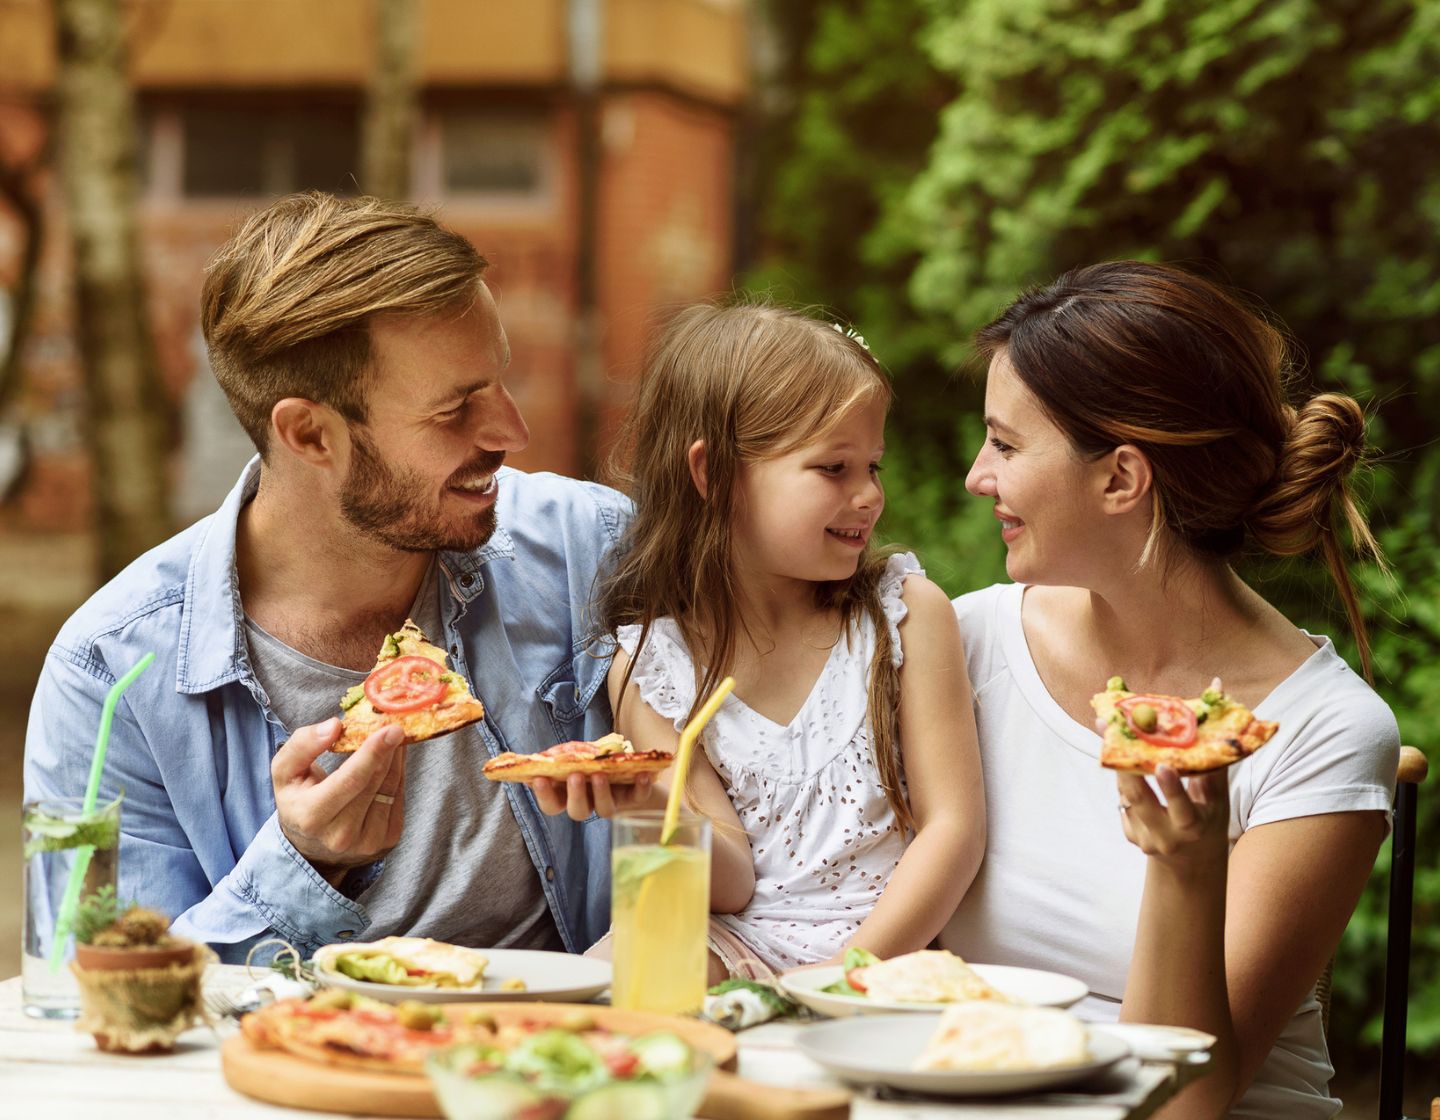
97,959
150,999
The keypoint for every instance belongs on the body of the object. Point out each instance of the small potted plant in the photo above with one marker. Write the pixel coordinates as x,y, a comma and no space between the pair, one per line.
139,984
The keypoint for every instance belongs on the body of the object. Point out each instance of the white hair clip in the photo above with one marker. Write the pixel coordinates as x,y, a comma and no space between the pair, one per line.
850,332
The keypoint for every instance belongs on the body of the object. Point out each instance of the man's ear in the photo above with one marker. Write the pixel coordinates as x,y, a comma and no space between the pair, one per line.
698,475
1130,480
309,431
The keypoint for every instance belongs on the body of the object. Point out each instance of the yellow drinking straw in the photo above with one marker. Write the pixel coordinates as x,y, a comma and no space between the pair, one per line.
682,757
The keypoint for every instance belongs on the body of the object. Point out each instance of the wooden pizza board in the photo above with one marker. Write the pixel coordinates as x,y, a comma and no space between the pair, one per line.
285,1079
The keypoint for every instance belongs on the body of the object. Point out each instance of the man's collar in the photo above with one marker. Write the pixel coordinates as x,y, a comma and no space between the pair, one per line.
212,635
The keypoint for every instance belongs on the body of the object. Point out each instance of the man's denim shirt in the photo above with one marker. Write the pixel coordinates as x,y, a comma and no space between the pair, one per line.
193,737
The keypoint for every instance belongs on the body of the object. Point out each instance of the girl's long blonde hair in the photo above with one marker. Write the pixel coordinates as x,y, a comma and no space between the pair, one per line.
752,381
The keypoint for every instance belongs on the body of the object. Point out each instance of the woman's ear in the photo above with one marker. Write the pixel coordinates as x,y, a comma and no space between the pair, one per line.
1130,481
696,458
309,431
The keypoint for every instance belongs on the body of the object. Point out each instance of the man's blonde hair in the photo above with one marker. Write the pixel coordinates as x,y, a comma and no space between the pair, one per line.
287,301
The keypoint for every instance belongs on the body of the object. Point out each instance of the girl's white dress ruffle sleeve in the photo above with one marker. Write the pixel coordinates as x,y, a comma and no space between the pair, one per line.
824,839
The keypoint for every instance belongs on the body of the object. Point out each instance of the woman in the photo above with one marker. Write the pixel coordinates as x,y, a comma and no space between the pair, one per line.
1138,438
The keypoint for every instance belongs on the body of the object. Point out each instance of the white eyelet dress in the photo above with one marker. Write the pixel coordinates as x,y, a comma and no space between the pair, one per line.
823,836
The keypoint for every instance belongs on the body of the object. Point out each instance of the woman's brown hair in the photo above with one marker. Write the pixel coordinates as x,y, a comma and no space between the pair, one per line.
1155,356
751,381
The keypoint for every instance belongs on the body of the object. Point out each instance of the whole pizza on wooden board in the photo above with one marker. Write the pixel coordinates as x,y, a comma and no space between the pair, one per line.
1144,730
336,1028
412,687
612,755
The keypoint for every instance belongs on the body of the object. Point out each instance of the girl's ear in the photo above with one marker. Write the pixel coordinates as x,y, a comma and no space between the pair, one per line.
1130,479
305,429
696,458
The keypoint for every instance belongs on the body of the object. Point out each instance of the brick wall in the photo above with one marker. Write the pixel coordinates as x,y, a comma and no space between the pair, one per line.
664,238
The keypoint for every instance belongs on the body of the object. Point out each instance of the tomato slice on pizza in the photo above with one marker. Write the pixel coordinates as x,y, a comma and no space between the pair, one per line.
411,687
1141,731
612,755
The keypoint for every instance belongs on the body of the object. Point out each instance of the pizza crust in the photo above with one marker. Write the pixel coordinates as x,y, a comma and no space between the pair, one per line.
621,769
417,727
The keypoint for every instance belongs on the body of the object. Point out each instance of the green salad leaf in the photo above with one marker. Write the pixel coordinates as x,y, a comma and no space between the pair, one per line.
378,968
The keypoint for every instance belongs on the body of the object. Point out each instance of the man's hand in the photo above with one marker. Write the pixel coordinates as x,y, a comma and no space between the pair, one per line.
579,798
350,817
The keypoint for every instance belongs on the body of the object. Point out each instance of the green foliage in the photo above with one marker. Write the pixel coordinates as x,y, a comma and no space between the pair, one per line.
96,912
933,157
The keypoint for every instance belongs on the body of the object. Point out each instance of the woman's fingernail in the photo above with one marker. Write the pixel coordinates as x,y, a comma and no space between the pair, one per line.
393,736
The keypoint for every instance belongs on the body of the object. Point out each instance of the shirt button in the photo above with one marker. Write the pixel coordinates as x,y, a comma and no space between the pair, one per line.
345,934
466,579
549,874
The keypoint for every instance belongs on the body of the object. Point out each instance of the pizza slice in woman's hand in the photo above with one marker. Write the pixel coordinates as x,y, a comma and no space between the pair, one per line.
1145,730
411,687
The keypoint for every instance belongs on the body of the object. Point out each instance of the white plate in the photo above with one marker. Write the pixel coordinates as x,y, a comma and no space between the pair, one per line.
551,977
1031,985
882,1051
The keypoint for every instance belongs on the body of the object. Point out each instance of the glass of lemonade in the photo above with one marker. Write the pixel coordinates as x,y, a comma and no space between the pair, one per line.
659,912
53,831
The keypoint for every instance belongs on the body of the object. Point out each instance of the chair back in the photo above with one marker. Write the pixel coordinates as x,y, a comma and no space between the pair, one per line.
1412,771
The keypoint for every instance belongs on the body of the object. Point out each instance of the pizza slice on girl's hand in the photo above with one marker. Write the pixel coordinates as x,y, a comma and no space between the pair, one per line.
411,687
1145,730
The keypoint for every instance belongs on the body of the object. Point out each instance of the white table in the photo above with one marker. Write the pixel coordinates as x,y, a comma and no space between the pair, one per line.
49,1071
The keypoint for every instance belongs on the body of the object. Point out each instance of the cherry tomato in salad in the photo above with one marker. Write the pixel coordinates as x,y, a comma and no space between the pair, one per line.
1174,725
405,684
855,977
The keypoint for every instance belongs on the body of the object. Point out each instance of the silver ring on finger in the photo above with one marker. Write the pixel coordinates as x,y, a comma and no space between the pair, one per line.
1124,806
384,799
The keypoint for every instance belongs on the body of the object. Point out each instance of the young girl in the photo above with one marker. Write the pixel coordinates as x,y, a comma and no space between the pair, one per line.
842,774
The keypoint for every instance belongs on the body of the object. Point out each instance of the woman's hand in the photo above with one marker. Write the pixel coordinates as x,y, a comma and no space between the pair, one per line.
579,798
1191,826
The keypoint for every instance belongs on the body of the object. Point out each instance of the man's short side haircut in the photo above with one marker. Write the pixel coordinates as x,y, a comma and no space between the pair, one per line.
287,301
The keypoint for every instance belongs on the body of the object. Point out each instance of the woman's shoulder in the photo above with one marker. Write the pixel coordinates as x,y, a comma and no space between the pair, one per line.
1325,692
981,610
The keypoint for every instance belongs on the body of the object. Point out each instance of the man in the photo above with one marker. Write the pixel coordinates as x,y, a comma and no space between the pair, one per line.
361,350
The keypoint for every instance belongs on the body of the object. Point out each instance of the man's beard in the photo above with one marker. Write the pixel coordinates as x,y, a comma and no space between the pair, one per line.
391,506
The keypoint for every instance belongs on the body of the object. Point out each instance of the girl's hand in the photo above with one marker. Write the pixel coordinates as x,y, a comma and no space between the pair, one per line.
579,798
1191,827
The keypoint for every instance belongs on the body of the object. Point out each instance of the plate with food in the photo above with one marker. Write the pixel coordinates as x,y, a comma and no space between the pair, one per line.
928,980
980,1048
396,969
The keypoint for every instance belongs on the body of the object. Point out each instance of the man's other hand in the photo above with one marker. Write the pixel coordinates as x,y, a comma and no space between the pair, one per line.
346,818
580,795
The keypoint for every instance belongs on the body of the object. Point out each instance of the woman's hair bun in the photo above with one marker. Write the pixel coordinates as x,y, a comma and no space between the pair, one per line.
1310,491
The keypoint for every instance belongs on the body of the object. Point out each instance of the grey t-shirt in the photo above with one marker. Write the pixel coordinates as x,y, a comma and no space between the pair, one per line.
461,872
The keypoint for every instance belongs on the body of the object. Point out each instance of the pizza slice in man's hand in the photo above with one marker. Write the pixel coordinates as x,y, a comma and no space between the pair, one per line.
411,687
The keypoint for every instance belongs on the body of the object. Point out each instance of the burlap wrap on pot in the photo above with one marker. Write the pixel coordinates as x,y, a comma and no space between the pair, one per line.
142,1009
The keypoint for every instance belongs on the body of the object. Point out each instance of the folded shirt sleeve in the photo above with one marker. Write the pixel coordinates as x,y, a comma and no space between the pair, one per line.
181,851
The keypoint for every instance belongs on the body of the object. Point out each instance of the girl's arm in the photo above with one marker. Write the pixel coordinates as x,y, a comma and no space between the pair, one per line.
1232,946
732,868
942,773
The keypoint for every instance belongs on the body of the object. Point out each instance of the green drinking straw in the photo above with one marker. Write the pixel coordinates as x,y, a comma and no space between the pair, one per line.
92,791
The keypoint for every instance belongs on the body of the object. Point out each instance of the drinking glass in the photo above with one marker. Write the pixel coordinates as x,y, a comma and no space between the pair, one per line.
53,831
659,912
